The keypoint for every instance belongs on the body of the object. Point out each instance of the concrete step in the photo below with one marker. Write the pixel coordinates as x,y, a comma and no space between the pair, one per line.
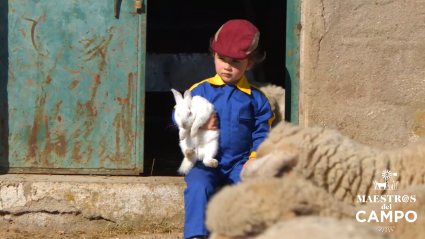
119,205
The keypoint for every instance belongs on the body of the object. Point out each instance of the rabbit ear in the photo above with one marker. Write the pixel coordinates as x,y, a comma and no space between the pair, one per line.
177,96
188,96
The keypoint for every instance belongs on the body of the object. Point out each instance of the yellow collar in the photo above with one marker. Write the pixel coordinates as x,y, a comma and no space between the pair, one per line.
243,84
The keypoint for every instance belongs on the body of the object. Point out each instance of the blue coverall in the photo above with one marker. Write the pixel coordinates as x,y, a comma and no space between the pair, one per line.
245,118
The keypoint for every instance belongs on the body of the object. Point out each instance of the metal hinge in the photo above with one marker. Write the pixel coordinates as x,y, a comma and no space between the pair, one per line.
117,6
138,4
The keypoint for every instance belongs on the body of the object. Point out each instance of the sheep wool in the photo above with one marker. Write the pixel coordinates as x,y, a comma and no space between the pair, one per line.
403,228
264,208
335,162
322,228
251,207
276,96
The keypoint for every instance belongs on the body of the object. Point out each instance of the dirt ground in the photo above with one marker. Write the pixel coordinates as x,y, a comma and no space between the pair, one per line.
18,234
53,235
109,232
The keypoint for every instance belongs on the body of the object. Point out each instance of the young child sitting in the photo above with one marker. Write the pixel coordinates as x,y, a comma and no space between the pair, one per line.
244,117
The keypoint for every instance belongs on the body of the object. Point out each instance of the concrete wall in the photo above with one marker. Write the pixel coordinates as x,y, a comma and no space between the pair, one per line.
85,203
363,69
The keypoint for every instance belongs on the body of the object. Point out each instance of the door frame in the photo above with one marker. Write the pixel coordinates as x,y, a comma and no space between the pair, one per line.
141,76
292,79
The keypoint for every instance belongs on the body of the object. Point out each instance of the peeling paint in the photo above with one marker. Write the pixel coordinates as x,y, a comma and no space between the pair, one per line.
74,114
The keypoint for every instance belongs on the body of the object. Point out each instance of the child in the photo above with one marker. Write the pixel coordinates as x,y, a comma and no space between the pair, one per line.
244,117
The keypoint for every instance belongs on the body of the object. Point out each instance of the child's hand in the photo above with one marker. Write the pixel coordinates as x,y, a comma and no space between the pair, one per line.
211,124
248,162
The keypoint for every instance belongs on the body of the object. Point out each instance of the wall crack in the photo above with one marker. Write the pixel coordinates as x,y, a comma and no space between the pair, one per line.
324,28
21,213
75,213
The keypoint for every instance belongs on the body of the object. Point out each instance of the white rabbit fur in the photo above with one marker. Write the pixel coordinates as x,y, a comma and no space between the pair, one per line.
196,143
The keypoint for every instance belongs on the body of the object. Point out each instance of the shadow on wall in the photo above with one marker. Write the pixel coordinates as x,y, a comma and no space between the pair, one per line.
4,71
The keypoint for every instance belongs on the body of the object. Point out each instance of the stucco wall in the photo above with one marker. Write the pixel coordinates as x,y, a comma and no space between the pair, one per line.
363,69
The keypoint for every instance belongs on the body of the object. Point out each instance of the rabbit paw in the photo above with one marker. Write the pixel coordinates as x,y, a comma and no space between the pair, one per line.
210,163
189,153
182,134
185,167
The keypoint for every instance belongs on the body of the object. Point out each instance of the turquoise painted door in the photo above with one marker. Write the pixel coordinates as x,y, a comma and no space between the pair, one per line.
75,86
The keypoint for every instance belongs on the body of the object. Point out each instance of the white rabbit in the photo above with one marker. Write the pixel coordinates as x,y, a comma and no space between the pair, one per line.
196,143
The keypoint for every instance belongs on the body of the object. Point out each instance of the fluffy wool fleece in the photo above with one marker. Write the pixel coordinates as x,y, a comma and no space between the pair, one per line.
317,173
253,208
249,208
276,96
321,228
335,162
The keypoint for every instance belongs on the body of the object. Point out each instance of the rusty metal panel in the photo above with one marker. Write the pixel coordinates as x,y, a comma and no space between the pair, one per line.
75,87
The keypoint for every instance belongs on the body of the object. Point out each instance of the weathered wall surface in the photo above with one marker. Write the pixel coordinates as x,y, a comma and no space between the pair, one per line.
363,69
85,203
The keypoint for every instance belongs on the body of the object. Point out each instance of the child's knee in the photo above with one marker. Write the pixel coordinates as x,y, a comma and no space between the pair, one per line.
201,184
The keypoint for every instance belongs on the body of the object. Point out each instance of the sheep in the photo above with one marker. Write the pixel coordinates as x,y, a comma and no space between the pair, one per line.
321,173
322,228
276,96
250,207
253,208
335,162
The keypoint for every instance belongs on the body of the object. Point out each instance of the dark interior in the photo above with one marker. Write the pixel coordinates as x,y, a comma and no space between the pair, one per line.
186,27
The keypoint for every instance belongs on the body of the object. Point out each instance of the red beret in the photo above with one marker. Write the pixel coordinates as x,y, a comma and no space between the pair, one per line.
236,39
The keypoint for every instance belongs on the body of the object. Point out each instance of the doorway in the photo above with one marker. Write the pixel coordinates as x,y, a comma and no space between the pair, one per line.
178,34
